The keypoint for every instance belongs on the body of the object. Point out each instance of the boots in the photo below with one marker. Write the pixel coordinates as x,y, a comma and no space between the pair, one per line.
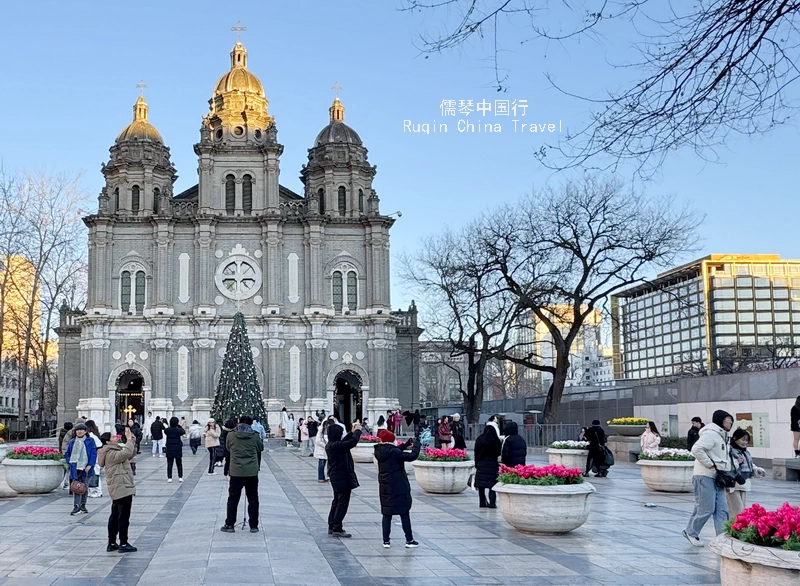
492,499
482,497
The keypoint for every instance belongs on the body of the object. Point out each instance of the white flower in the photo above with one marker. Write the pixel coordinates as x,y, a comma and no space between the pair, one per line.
569,445
667,453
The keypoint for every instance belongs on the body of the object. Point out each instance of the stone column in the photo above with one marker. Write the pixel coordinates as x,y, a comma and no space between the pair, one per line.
314,277
204,266
272,267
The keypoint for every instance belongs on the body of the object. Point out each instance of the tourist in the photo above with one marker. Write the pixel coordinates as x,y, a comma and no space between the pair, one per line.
148,423
283,424
115,456
381,423
794,425
515,450
582,434
244,445
365,427
81,455
290,430
457,429
425,436
390,421
342,474
320,441
71,433
650,439
136,430
416,420
195,436
184,425
487,450
61,433
174,435
157,434
302,433
393,486
694,432
596,459
444,432
259,429
437,443
211,432
229,426
398,421
712,456
313,429
745,470
94,484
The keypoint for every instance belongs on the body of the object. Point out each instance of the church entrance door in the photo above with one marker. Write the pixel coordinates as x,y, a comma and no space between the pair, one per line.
130,397
347,406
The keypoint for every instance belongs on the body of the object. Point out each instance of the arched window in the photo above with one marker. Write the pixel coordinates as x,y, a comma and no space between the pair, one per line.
352,291
321,198
361,201
140,290
125,292
342,201
247,194
156,195
230,194
116,199
338,299
135,198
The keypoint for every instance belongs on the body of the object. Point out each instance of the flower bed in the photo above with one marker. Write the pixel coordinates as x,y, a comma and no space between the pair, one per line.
443,471
667,469
547,499
444,455
628,421
369,439
626,426
34,469
761,547
34,453
569,445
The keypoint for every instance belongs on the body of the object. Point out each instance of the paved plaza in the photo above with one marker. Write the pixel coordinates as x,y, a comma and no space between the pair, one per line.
176,528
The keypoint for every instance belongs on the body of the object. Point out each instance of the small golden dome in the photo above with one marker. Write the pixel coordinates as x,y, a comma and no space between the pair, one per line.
239,78
140,128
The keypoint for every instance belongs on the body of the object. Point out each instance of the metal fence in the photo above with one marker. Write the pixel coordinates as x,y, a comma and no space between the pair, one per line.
535,435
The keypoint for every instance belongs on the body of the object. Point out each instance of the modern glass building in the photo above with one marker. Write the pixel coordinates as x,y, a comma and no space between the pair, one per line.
719,314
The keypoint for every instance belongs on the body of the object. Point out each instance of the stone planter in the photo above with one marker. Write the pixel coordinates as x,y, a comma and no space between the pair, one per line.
568,458
443,477
667,475
626,430
33,476
745,563
363,452
549,510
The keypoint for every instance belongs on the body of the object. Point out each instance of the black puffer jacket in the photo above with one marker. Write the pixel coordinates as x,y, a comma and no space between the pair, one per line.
341,469
174,442
393,486
487,450
157,430
515,450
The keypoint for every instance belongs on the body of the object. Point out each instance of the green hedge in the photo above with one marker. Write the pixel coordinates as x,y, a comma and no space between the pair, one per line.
673,442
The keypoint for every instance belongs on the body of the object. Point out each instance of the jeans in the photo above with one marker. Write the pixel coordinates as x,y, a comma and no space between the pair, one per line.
387,527
158,446
79,500
211,459
194,443
120,519
341,501
179,462
321,469
709,501
308,446
250,485
482,497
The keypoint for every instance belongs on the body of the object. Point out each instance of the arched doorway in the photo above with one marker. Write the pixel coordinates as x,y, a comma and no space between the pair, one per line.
347,403
130,397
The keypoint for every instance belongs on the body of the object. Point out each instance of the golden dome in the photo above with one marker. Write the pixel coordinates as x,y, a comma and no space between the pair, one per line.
140,128
239,78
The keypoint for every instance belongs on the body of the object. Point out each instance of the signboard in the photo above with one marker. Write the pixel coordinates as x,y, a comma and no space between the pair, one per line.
757,425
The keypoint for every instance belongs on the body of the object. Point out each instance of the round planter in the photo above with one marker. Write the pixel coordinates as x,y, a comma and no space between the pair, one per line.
626,430
549,510
33,476
745,563
443,477
363,453
667,475
568,458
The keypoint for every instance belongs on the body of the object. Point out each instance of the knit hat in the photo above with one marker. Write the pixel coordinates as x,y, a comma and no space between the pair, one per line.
79,427
386,436
210,420
596,422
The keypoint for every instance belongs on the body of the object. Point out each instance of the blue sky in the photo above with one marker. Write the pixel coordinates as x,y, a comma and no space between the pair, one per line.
70,70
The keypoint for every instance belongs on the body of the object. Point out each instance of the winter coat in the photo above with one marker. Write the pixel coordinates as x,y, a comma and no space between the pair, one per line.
70,434
259,429
515,450
195,431
743,462
711,450
136,430
692,437
290,429
313,427
116,459
212,436
444,431
341,469
487,449
398,421
596,438
794,416
91,454
157,431
649,441
223,438
303,432
320,441
174,442
244,445
393,486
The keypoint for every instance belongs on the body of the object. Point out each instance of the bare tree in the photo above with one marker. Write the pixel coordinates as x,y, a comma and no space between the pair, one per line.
562,253
707,69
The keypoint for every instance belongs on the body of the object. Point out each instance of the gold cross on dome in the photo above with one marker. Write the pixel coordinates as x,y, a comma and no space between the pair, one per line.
336,87
238,28
141,85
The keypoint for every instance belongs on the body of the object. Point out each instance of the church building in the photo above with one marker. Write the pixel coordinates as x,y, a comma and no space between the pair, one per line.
167,273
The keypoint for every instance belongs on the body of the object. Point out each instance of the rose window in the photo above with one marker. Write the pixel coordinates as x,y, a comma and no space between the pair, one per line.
238,278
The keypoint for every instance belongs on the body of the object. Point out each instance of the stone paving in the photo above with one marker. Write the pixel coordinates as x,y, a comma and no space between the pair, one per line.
176,528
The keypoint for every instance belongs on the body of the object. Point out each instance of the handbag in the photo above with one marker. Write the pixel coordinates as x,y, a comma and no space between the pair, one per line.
724,479
608,457
78,487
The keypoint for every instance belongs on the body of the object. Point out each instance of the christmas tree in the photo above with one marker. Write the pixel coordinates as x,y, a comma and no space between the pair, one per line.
238,391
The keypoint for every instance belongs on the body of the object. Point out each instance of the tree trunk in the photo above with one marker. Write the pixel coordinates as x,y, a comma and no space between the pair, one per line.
556,390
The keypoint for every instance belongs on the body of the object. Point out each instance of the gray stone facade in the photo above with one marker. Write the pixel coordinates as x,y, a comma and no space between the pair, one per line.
168,272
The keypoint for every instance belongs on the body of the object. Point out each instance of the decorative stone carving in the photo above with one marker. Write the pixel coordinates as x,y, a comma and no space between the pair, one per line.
116,355
130,357
334,355
359,355
204,343
347,358
294,374
183,373
316,343
255,351
273,343
143,355
238,277
160,343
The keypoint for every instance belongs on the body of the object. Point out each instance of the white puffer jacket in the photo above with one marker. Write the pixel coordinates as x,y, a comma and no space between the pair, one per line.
711,450
320,441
